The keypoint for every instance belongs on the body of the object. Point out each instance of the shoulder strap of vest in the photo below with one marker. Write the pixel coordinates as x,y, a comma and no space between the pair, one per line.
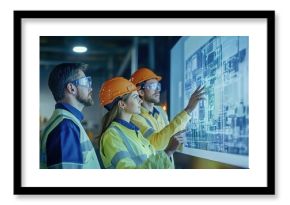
148,121
137,159
67,114
125,140
55,119
162,113
58,115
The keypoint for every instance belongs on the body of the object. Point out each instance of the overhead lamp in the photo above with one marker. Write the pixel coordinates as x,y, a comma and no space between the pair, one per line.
80,49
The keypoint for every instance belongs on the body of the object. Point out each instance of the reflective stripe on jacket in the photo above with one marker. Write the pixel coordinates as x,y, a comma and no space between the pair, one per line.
122,147
156,128
90,160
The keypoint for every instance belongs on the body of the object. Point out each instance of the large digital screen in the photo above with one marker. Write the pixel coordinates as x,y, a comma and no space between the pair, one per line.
219,125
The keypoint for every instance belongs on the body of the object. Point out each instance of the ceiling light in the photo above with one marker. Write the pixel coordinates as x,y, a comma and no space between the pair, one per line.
80,49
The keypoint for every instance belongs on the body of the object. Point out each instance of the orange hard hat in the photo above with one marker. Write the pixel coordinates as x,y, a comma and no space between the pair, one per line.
113,88
143,74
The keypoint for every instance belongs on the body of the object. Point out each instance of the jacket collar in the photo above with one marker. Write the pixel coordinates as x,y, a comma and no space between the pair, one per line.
128,125
71,109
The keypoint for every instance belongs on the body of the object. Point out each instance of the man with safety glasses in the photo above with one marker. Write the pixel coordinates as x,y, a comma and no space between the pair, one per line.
153,120
64,142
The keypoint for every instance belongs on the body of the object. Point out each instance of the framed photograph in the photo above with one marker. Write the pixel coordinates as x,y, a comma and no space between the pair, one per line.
230,137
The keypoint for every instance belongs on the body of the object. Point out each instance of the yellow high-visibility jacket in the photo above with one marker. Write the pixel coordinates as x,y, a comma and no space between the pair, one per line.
122,147
156,128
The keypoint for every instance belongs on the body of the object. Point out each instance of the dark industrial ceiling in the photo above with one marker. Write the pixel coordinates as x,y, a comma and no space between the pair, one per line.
104,54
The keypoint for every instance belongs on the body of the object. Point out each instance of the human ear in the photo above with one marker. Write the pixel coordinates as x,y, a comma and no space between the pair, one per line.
141,93
122,104
71,88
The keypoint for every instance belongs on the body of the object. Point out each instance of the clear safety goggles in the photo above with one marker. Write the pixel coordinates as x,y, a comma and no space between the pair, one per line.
85,82
153,86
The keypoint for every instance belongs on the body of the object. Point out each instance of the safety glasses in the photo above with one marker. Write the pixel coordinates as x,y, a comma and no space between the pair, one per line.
85,82
153,86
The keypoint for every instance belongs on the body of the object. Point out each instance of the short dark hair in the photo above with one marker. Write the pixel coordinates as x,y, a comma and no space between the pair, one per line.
61,75
141,85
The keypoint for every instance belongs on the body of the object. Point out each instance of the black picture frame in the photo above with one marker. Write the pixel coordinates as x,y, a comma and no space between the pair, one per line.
19,189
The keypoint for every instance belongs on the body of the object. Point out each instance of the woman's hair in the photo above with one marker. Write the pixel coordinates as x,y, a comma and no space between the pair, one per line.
109,118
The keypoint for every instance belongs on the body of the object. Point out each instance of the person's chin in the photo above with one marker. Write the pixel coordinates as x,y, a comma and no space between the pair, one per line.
90,103
157,100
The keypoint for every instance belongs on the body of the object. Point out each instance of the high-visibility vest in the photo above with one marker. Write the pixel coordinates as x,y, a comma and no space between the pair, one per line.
122,147
90,160
156,128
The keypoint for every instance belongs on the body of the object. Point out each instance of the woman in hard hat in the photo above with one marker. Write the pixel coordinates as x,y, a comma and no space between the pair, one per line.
121,143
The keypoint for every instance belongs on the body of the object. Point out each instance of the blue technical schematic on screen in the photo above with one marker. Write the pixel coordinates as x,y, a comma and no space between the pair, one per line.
219,125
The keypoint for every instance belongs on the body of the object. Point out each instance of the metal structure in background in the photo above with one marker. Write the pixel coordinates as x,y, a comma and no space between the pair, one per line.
109,56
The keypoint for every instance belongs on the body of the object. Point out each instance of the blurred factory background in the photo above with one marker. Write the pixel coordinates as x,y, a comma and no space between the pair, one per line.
107,57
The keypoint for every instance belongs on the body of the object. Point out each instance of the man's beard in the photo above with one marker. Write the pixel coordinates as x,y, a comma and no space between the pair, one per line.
152,99
86,102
